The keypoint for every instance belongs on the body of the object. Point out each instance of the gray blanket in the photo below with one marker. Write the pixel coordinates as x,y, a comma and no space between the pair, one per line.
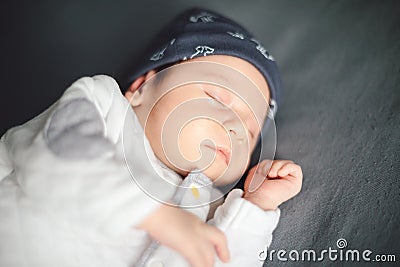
340,117
341,122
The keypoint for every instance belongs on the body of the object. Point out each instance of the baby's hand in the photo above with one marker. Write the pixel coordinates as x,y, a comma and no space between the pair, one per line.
283,181
182,231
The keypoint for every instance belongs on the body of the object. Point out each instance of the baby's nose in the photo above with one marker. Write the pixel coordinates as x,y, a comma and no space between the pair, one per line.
236,130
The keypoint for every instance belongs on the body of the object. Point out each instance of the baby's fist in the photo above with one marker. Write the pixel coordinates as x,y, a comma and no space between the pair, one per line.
282,182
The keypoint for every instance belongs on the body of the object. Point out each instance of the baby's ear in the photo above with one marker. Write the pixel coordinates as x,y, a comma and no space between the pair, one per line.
136,99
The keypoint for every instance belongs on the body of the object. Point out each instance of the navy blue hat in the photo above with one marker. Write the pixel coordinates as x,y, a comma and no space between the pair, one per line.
200,32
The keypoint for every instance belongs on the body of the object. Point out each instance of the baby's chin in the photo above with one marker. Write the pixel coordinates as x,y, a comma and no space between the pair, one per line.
218,171
220,175
215,172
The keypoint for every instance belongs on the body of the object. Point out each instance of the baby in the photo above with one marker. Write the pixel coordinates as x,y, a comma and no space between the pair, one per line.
67,196
199,35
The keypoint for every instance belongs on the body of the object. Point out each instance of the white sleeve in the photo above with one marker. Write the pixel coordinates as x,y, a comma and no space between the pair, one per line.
248,229
73,168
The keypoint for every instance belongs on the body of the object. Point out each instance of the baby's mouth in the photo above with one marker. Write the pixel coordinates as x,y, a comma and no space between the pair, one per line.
222,152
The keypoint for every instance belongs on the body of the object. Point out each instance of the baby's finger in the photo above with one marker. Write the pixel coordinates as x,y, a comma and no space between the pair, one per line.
290,168
276,165
221,245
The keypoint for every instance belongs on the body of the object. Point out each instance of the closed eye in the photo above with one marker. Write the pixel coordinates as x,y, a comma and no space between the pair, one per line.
216,99
221,103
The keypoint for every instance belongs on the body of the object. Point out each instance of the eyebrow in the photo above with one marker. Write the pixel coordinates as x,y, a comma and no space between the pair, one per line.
221,77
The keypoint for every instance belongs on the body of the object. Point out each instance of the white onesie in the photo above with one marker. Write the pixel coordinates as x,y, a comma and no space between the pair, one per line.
67,196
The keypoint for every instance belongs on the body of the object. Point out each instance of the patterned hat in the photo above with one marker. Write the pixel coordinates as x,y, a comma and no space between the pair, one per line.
199,32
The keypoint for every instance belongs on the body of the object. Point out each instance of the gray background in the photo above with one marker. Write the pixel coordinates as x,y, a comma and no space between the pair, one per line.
339,119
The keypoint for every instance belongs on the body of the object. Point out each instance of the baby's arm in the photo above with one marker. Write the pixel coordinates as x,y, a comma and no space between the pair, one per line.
185,233
248,219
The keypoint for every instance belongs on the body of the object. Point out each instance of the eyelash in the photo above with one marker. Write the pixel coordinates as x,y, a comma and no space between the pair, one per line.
219,101
216,99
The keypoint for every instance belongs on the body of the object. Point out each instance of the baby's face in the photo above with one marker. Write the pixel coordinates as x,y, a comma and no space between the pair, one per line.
220,143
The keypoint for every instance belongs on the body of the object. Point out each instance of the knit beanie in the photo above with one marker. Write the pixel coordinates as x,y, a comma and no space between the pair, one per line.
199,32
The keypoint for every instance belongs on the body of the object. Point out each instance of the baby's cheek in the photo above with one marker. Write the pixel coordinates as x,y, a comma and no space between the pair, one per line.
197,139
195,150
198,134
